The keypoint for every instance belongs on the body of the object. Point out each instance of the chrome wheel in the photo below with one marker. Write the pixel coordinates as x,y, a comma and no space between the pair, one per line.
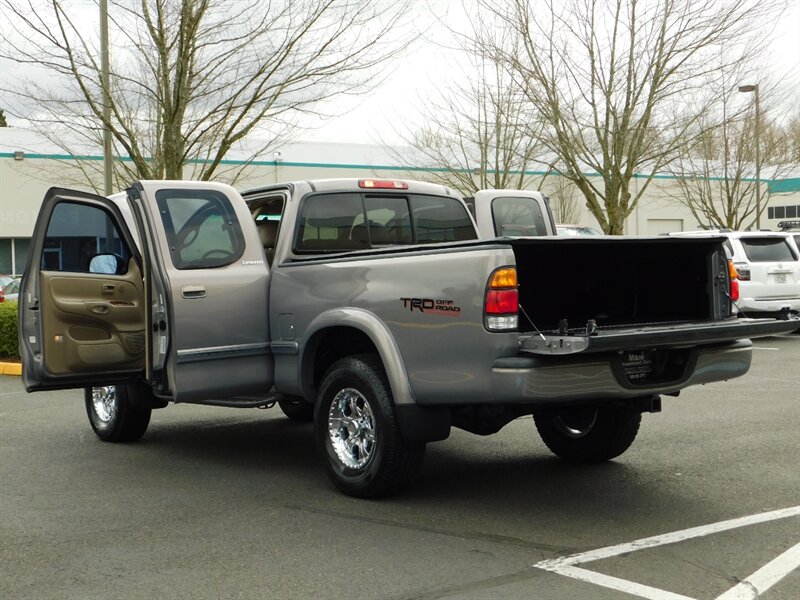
351,428
104,402
576,422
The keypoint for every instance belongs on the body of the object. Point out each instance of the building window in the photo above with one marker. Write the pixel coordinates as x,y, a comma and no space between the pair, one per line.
5,256
13,255
21,247
771,212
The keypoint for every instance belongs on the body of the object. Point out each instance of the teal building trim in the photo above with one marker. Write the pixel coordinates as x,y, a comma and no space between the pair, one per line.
774,186
784,186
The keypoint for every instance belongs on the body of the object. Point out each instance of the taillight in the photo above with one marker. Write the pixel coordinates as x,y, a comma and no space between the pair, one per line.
502,301
734,276
741,270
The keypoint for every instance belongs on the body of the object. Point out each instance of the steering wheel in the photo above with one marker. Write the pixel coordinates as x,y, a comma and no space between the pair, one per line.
222,252
187,235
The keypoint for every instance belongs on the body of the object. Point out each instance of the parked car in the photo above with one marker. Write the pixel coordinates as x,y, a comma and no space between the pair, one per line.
576,230
768,267
794,241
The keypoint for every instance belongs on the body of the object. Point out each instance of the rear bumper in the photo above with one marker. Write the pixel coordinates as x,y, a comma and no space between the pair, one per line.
552,380
771,306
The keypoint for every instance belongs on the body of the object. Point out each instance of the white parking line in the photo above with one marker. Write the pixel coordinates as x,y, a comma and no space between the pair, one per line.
761,580
764,348
767,576
621,585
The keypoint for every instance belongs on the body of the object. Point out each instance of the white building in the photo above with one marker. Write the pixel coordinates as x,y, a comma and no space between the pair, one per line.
29,166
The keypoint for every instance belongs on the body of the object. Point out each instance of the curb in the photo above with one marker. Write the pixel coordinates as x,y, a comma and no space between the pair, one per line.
7,368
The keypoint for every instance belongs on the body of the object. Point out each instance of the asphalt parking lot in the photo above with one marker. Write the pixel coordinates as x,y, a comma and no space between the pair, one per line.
225,503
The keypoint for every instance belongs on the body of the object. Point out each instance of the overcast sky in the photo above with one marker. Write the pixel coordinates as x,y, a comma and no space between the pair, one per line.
377,115
425,68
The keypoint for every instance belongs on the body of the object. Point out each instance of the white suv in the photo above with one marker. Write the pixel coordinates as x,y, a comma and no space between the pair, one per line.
768,264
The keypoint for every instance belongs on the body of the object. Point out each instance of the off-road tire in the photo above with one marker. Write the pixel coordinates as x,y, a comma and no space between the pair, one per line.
393,461
606,436
117,419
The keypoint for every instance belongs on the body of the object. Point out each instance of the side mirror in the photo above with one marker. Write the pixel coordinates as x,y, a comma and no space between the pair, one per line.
108,264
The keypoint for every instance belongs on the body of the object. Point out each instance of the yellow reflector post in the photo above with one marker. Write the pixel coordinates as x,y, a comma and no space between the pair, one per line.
503,278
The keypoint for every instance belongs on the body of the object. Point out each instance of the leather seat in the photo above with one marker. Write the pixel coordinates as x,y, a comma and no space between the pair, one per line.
378,235
268,232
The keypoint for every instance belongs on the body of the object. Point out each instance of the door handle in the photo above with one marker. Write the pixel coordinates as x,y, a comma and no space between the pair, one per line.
98,308
193,291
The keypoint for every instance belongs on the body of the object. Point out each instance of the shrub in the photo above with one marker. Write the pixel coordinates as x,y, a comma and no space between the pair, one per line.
9,346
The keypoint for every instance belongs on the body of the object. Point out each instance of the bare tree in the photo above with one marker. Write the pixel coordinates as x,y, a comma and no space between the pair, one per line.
190,79
563,200
716,172
618,82
477,132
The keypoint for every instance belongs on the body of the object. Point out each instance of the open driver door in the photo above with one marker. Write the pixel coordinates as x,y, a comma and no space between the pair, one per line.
82,303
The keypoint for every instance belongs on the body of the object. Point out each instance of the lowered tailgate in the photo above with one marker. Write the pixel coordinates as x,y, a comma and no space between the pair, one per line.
655,336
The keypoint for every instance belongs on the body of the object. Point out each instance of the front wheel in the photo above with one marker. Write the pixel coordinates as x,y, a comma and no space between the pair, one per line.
357,433
113,415
588,433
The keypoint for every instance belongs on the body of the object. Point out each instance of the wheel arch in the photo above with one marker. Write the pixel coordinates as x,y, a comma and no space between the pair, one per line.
346,331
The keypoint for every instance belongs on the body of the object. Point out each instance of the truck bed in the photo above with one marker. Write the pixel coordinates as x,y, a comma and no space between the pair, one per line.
573,285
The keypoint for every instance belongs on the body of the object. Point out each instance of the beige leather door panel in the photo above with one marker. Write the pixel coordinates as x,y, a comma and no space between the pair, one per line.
93,321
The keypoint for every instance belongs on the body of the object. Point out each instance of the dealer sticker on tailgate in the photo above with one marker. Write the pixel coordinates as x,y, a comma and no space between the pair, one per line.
638,364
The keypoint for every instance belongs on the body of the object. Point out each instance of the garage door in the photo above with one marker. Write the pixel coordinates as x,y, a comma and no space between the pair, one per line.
658,226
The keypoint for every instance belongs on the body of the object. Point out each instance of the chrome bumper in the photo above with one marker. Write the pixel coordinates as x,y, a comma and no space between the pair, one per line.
532,379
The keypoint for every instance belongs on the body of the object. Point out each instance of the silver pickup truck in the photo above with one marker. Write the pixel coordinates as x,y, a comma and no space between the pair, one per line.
374,309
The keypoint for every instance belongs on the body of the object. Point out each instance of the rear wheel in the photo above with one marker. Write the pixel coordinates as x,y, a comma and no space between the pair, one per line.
113,415
588,433
357,433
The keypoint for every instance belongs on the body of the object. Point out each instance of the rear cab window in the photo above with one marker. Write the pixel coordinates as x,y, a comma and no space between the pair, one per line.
767,249
340,222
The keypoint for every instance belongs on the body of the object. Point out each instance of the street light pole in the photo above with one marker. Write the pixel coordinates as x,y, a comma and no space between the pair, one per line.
756,131
104,83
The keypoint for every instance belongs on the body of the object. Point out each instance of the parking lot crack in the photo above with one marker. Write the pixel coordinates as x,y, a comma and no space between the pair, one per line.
461,534
480,585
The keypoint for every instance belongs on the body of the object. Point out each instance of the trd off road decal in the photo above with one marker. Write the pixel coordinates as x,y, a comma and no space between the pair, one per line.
431,306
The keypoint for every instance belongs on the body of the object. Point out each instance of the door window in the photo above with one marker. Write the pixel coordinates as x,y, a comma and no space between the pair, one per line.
202,229
517,217
79,237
